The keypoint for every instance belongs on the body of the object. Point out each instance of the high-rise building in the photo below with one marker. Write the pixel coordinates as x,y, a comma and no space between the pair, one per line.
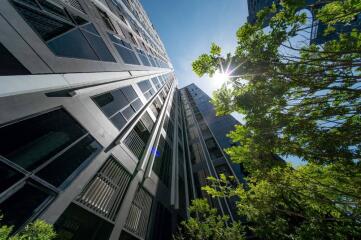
317,29
95,137
88,116
207,139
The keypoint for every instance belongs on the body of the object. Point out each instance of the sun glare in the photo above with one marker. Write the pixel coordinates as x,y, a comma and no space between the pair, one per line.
220,77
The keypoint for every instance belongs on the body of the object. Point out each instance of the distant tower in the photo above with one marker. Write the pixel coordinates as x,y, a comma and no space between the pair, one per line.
206,141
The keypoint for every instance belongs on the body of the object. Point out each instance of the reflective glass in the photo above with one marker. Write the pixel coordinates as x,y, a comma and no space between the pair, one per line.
22,205
137,104
76,157
9,64
127,55
129,93
111,102
8,177
31,142
72,44
128,112
118,120
99,46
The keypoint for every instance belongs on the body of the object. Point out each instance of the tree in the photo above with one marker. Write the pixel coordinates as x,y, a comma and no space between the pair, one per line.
302,100
310,202
38,230
206,224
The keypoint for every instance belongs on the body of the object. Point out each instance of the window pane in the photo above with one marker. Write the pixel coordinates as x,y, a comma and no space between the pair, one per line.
22,205
163,161
99,46
9,64
127,55
72,44
90,28
144,60
46,26
111,102
137,104
129,93
128,112
33,141
76,157
156,83
144,85
76,223
8,177
118,120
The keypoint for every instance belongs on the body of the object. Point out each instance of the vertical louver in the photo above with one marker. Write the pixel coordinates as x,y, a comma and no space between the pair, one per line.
135,143
138,137
105,191
137,219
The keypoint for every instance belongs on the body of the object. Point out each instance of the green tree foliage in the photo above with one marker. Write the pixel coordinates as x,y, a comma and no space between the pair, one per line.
38,230
296,100
208,225
306,103
311,202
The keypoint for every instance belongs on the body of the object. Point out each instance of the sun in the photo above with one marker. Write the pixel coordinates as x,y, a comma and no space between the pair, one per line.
220,77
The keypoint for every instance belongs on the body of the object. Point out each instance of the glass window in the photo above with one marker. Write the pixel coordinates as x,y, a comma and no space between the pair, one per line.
213,148
162,224
124,49
99,46
146,88
118,120
43,23
31,142
78,155
163,161
119,105
137,104
128,112
73,45
143,57
8,177
61,31
129,93
151,59
127,55
111,102
76,223
156,83
22,205
9,64
144,85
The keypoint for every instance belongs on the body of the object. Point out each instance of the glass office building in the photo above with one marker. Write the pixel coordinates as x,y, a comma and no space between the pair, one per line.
95,137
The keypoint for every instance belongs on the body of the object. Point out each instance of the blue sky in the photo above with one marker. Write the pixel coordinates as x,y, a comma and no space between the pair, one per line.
188,27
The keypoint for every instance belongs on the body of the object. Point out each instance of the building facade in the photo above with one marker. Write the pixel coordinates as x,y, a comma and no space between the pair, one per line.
94,133
207,139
